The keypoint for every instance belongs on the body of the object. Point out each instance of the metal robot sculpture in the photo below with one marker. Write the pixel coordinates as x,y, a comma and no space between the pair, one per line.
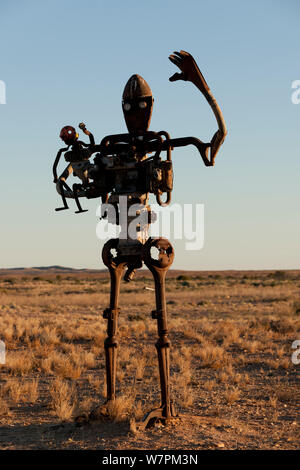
78,164
130,166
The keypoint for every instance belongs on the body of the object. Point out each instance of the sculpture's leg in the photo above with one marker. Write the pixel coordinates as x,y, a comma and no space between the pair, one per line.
62,184
159,268
110,344
163,343
76,187
116,268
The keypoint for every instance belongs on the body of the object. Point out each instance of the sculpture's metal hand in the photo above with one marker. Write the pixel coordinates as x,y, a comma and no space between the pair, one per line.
189,70
86,132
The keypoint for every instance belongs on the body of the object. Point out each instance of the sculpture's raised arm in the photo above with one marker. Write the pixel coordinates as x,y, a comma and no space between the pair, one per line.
190,72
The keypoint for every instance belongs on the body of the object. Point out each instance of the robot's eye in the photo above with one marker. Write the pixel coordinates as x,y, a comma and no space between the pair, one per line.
142,104
127,106
69,132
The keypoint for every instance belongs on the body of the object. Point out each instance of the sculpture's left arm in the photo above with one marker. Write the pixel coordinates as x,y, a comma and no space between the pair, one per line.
54,169
190,72
89,134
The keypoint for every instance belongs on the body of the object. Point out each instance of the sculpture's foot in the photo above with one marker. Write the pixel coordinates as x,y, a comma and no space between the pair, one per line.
62,208
157,415
81,210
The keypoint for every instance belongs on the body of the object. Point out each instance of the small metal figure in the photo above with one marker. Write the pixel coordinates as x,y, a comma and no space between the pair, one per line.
78,158
131,166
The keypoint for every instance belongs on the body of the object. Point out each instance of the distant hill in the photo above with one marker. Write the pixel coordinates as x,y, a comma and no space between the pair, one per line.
55,270
36,270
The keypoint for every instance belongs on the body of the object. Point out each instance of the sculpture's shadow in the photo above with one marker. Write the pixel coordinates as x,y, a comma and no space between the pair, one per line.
95,434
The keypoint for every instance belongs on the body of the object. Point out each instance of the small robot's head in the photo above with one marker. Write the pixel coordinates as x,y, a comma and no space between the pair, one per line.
137,105
69,135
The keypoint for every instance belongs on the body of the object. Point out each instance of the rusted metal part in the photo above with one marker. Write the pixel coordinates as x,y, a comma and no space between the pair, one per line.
69,135
130,273
159,267
88,133
78,158
135,88
116,268
154,174
120,144
137,105
191,72
61,184
75,188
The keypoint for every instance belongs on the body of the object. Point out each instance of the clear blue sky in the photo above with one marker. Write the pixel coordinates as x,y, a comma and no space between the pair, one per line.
67,61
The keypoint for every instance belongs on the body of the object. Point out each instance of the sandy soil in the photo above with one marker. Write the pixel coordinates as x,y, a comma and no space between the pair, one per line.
233,382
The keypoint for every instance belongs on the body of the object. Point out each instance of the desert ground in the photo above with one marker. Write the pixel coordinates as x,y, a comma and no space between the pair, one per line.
233,382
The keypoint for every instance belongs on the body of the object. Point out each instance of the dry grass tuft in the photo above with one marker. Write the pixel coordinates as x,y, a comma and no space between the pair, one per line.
63,399
212,356
17,391
138,411
4,408
273,401
209,385
140,368
232,395
120,408
20,362
32,390
63,365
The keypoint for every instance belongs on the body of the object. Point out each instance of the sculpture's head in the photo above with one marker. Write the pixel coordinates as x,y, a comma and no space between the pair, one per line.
137,105
69,135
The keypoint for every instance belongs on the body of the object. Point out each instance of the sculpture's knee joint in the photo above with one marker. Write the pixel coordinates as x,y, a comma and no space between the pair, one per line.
111,342
111,313
163,342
